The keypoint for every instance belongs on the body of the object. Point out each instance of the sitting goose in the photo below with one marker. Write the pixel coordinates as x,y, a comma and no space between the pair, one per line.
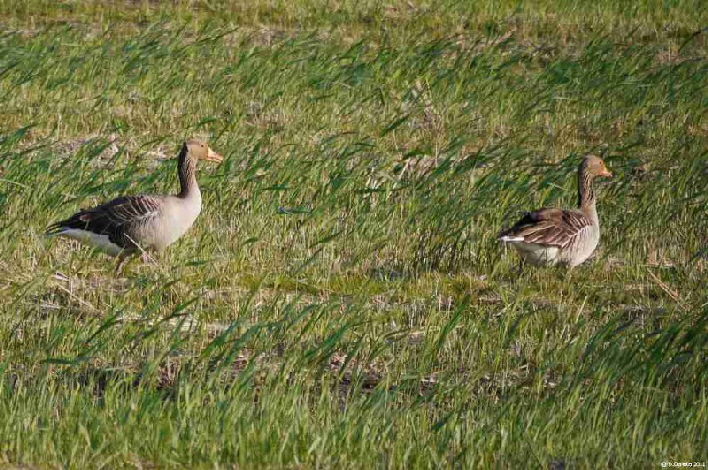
133,224
554,236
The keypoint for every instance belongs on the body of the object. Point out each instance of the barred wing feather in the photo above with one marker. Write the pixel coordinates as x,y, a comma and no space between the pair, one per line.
551,227
118,219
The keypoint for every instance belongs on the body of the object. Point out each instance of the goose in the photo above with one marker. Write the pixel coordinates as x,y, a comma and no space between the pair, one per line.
129,225
552,236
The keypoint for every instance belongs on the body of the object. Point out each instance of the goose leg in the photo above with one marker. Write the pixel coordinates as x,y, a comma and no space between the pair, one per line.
122,257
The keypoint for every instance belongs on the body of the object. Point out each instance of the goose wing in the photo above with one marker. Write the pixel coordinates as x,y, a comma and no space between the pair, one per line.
120,219
548,226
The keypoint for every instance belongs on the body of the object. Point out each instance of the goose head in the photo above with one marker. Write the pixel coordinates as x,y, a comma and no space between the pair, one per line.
594,166
198,150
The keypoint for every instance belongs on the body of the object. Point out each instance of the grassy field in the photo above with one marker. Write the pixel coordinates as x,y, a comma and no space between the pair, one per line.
342,300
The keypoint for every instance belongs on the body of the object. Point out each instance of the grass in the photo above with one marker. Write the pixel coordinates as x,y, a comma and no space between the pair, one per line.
342,300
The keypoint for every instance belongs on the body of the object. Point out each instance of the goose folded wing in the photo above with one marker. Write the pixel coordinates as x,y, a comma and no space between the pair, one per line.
118,219
548,226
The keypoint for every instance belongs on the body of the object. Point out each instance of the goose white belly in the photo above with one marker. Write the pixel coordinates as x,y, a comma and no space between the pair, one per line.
100,242
537,254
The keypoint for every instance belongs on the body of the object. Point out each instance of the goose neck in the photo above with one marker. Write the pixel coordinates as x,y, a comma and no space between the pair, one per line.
186,170
586,194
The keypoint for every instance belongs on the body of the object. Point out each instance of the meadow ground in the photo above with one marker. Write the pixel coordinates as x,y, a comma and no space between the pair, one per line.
342,300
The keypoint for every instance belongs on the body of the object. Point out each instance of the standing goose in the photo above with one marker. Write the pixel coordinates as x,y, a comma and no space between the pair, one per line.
130,225
554,236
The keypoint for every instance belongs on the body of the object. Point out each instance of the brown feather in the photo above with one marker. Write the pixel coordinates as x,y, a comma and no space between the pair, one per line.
118,219
549,226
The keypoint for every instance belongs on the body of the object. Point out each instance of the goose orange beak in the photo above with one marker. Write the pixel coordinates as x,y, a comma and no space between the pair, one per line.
605,172
213,156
